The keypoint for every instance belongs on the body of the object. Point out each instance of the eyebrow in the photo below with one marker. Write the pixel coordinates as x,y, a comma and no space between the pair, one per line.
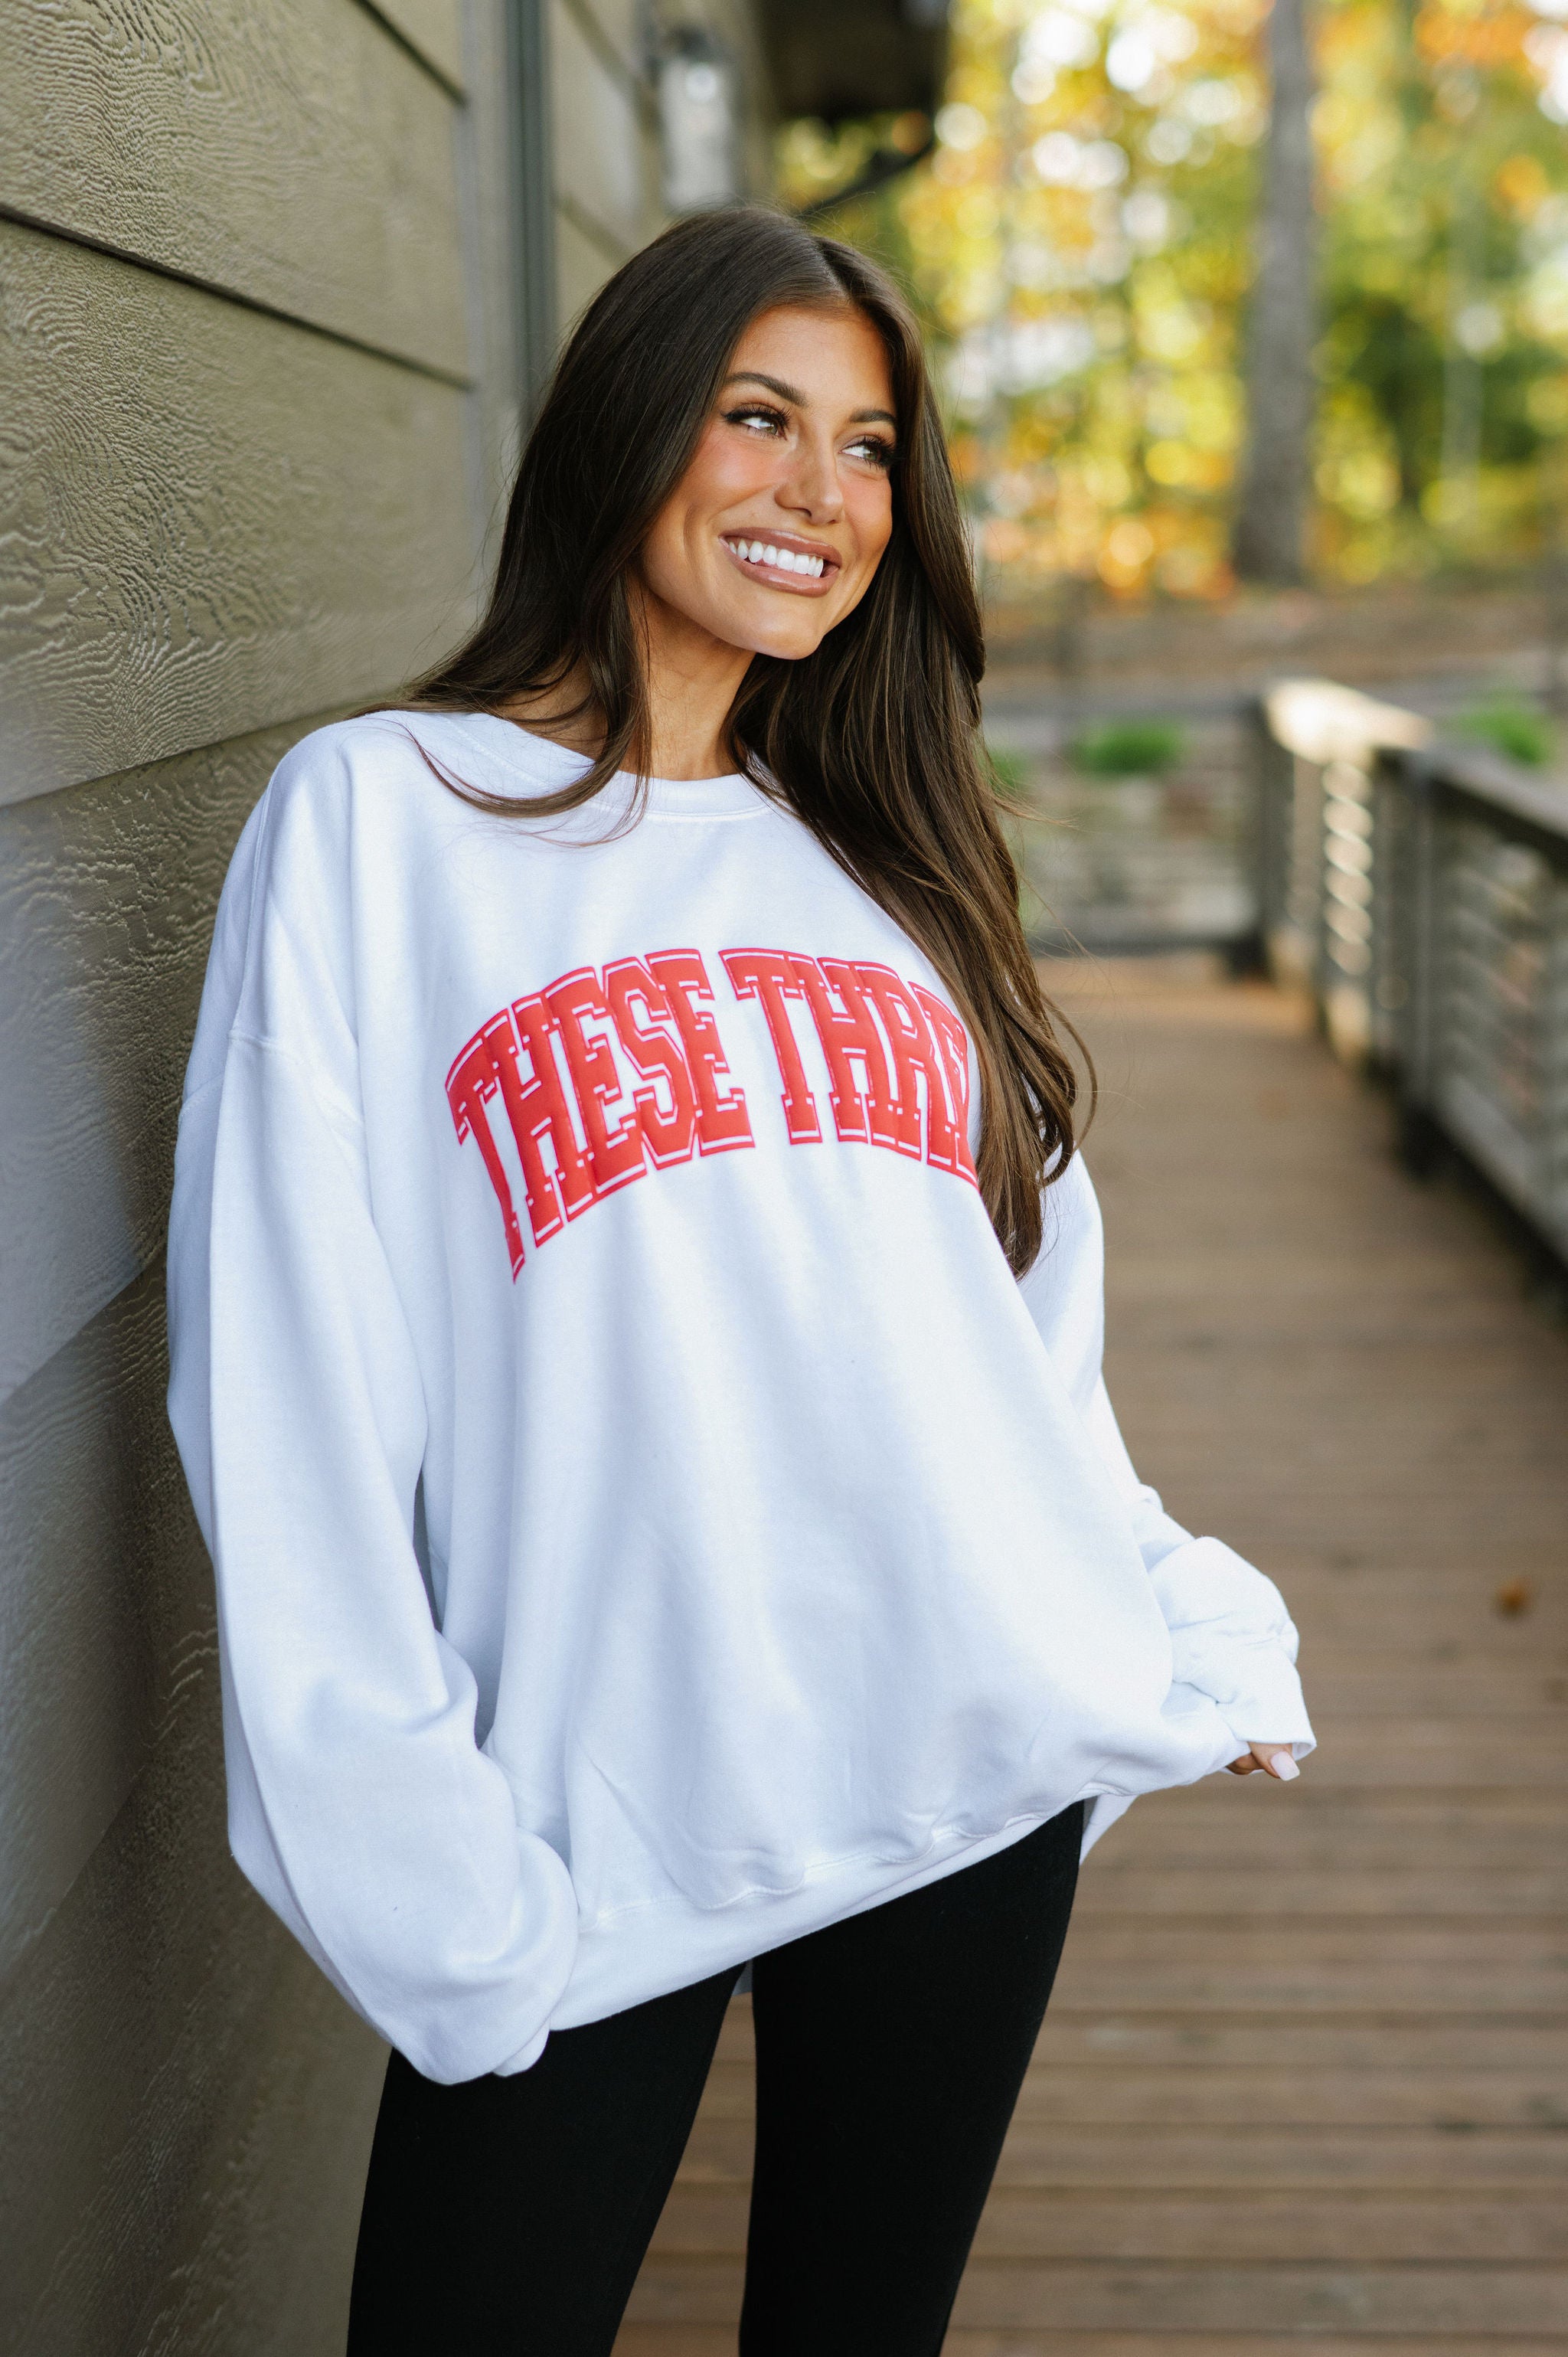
789,392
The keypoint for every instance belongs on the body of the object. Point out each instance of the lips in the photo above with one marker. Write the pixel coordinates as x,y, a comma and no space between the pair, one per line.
781,560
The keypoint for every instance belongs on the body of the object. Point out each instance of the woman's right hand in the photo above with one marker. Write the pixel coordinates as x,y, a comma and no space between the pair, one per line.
1276,1759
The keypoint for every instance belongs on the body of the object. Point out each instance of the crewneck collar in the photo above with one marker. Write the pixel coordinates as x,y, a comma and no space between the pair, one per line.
535,765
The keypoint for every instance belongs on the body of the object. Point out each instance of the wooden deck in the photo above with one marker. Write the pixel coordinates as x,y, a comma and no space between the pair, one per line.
1306,2076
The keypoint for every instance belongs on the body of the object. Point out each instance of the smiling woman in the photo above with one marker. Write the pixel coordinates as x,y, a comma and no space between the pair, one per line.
636,1309
746,383
750,386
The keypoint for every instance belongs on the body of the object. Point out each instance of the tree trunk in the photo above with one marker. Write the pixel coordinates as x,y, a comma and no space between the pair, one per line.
1283,329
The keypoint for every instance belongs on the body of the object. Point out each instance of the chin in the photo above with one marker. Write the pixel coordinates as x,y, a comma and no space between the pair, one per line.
791,649
784,645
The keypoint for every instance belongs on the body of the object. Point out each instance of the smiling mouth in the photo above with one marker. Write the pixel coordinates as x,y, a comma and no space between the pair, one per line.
782,564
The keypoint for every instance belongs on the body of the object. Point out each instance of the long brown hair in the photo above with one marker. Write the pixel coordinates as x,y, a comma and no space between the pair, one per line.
873,741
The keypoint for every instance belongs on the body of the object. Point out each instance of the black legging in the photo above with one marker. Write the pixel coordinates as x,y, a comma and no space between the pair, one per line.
508,2217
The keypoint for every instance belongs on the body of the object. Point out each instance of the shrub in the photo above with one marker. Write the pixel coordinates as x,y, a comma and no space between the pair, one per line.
1510,727
1129,749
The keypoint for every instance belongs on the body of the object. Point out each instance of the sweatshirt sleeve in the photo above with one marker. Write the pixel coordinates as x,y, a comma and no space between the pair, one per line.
1231,1636
359,1803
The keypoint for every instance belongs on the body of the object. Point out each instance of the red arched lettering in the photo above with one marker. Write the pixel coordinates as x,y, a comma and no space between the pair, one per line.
670,1132
722,1118
539,1116
615,1154
952,1045
770,976
916,1060
862,1108
472,1081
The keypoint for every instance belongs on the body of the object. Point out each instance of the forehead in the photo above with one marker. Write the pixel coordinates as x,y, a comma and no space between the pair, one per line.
836,358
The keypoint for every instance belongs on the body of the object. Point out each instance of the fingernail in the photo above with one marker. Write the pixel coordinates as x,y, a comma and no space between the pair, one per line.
1285,1767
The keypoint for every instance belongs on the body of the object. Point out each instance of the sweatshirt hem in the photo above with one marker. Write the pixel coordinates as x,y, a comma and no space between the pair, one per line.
632,1957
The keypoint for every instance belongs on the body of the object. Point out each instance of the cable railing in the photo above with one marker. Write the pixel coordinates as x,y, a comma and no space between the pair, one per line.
1420,892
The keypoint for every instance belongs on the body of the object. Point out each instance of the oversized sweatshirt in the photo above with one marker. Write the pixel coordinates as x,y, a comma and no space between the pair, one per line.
651,1519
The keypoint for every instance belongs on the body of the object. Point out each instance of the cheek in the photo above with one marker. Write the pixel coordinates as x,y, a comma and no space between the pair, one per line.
870,506
679,560
727,467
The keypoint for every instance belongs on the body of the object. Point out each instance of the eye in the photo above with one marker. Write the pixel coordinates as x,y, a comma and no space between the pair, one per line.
756,417
874,448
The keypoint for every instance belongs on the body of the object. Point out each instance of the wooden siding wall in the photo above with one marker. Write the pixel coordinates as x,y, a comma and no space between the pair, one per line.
604,127
256,364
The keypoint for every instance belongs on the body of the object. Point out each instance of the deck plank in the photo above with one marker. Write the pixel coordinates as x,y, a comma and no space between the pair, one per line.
718,2340
1306,2075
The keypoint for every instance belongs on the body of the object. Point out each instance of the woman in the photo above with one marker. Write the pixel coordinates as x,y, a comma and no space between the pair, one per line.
636,1323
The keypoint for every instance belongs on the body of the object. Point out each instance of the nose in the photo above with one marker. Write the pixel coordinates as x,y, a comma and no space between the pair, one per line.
811,488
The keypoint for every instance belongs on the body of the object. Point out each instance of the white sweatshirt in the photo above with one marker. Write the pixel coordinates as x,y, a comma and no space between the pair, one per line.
651,1520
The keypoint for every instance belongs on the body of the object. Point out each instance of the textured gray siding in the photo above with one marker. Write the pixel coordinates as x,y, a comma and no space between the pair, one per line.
256,387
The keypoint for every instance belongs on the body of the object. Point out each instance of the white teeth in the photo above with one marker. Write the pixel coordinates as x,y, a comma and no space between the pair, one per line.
784,560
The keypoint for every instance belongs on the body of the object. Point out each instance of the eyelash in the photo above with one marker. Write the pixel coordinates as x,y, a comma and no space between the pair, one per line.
880,453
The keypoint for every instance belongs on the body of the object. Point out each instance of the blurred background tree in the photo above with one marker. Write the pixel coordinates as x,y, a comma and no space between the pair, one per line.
1282,324
1083,237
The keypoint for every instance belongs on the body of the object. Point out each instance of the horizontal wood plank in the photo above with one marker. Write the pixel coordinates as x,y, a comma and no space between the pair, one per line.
271,2232
1309,2042
1087,2222
292,155
215,522
107,898
115,1614
1216,2094
718,2340
1090,2297
1536,1680
1425,1814
433,28
139,2016
1312,1886
1423,1612
1351,1965
1054,2156
582,262
1218,2344
603,157
1473,1751
1438,2299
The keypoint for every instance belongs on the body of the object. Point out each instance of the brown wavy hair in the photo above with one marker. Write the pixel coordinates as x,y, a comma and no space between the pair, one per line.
874,740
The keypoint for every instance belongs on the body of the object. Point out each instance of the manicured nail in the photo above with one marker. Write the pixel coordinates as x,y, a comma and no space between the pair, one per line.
1285,1767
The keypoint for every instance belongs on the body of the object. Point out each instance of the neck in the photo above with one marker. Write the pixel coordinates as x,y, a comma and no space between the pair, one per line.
693,681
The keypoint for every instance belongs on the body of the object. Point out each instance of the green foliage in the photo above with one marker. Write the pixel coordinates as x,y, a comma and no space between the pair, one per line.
1443,178
1010,771
1129,749
1519,730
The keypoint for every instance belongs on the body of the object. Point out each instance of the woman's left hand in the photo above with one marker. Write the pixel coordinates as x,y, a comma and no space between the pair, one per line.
1277,1759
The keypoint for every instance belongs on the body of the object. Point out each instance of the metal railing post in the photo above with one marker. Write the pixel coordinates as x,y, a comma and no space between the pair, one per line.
1418,1136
